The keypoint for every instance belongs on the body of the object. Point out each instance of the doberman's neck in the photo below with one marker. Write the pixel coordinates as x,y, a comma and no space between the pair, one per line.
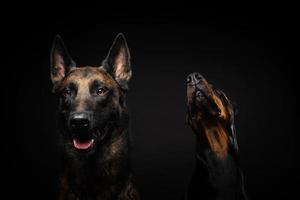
217,174
102,175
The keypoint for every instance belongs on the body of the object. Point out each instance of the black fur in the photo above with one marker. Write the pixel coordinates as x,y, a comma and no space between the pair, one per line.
215,177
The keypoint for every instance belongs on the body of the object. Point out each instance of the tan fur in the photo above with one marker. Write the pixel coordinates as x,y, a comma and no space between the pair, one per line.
114,149
121,71
78,74
217,139
129,192
213,129
220,105
83,77
58,65
190,92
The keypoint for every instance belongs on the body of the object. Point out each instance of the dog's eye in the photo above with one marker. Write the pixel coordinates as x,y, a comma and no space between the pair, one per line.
101,91
67,92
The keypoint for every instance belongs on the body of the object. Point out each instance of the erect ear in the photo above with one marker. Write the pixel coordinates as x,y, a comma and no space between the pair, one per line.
117,62
60,60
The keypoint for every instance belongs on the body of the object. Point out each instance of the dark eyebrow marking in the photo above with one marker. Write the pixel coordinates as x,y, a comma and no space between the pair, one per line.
71,85
96,83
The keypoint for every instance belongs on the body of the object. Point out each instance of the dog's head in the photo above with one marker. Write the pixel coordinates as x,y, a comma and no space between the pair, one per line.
91,99
210,113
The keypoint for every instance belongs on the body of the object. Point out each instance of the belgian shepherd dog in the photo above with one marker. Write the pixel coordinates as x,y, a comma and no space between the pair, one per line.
211,115
93,124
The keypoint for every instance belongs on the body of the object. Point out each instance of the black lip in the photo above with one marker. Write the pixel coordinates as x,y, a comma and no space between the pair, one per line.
82,135
96,133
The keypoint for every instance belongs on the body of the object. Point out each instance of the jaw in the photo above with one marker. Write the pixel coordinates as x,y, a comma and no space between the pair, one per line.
82,142
209,131
87,142
200,102
83,145
202,111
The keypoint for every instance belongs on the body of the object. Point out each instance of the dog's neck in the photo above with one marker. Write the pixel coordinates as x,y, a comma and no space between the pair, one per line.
217,172
105,172
211,136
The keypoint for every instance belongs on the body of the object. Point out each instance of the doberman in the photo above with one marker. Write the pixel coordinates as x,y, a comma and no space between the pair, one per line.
211,114
93,124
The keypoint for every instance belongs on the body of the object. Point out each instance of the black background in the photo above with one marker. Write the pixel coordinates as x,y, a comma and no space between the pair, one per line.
245,51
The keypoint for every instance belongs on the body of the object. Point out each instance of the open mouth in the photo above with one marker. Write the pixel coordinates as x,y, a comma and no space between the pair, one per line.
83,140
83,145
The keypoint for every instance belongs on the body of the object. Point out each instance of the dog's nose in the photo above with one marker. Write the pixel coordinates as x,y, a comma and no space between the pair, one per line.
194,78
80,120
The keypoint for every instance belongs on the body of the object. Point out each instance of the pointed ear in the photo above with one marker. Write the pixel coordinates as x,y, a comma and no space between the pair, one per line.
60,60
117,62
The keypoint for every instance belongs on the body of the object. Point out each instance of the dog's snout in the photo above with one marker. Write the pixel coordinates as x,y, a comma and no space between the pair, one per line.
194,78
80,120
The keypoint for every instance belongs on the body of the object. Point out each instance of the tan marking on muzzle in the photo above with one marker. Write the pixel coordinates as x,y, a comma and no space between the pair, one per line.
190,91
220,105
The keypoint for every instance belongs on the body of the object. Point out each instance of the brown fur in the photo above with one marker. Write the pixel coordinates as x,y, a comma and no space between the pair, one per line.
215,135
92,106
83,77
213,128
87,74
113,152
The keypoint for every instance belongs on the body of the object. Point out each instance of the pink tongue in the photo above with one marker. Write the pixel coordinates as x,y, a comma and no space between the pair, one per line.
83,145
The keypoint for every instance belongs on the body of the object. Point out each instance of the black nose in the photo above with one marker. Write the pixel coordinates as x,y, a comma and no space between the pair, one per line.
80,120
194,78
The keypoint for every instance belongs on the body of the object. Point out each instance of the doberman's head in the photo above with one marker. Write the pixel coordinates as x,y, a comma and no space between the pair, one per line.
91,99
210,113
